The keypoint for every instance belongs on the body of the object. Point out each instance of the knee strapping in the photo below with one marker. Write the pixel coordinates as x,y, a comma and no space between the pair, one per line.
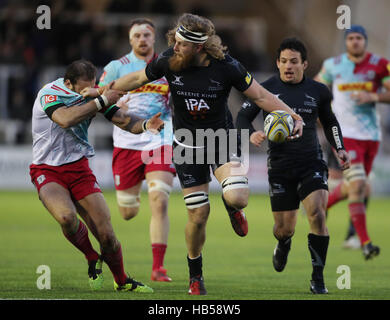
235,182
161,186
355,172
196,199
127,200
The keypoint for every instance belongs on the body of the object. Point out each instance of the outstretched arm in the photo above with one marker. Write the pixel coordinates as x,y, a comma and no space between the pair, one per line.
268,102
128,82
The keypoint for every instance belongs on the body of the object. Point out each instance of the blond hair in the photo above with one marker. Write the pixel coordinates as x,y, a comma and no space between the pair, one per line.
213,46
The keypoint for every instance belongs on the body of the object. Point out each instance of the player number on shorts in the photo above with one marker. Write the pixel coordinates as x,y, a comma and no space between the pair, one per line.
44,280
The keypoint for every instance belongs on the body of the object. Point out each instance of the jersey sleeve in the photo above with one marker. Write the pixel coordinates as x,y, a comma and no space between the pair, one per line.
110,74
325,73
51,103
329,121
156,68
384,70
241,79
246,115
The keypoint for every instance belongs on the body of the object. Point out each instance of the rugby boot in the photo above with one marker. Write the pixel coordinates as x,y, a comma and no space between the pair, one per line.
279,258
318,287
95,274
370,251
237,219
133,286
160,274
197,286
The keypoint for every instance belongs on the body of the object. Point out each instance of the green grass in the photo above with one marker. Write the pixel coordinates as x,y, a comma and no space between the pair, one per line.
234,268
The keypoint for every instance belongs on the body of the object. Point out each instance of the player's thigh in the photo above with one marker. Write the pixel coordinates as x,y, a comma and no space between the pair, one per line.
312,178
316,202
371,152
128,168
58,202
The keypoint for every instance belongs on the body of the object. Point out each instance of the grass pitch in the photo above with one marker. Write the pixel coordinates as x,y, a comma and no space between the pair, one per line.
234,268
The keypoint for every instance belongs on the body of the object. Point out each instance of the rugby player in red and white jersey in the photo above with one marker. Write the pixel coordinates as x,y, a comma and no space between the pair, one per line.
145,156
61,173
356,78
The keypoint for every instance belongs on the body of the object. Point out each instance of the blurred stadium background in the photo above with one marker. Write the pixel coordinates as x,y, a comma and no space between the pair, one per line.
97,30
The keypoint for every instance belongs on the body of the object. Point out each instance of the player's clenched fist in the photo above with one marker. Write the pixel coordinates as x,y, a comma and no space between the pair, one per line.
257,138
344,160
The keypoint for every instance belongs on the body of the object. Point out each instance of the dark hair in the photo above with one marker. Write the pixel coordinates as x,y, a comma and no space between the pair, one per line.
80,69
295,45
141,21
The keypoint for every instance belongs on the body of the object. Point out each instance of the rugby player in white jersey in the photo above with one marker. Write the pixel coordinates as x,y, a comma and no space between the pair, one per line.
357,78
61,173
145,156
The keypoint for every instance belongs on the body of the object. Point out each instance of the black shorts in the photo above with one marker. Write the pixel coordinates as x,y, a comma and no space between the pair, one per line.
289,186
197,171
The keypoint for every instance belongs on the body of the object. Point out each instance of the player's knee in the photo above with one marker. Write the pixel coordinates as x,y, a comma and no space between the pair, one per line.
198,207
357,188
283,231
159,189
159,201
107,239
317,217
67,220
236,191
356,178
199,216
128,213
128,204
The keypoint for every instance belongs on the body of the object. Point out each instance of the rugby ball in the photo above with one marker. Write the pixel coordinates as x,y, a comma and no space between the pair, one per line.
278,125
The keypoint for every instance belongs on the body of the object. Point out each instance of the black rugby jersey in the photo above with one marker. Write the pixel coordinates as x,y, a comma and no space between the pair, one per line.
200,94
311,100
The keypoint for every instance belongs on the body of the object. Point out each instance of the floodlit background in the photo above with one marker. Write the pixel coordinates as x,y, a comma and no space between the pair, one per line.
97,30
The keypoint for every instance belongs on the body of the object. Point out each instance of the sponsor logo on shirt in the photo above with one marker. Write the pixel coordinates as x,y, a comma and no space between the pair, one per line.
356,86
162,89
178,81
312,101
215,85
248,78
50,99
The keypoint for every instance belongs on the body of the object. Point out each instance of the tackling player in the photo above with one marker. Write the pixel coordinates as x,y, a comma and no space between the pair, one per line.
132,151
296,169
61,173
200,76
356,77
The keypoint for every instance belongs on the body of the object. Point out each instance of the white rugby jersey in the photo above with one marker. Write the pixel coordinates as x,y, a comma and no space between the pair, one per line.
53,145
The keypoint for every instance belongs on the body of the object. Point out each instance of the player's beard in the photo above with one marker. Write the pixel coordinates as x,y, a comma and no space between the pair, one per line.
178,63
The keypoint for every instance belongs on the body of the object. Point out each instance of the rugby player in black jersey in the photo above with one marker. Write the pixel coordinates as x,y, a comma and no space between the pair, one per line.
296,169
200,76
